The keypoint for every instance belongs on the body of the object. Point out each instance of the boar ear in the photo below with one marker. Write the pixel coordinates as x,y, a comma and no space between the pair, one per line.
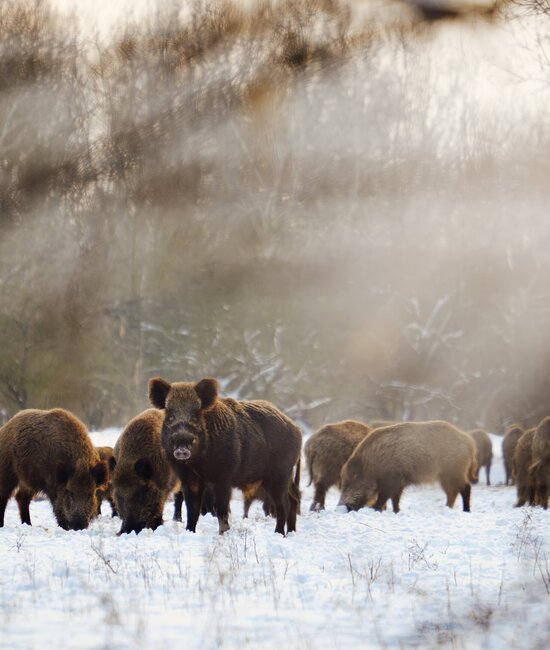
144,469
100,472
158,392
207,390
64,473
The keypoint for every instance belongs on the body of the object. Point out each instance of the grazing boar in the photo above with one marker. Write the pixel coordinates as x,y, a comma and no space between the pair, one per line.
50,452
228,443
411,453
484,453
326,452
142,478
105,492
511,436
522,461
540,468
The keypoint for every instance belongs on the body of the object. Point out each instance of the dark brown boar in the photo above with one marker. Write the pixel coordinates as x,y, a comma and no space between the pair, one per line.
142,477
228,443
509,442
521,463
50,452
326,452
411,453
105,492
540,468
484,453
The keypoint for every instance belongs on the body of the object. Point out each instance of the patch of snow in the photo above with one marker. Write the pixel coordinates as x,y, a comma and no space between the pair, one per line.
425,578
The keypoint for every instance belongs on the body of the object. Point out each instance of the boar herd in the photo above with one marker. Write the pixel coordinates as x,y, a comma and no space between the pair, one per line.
198,446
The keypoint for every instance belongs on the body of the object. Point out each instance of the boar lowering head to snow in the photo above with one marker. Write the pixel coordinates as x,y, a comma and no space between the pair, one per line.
142,476
50,452
228,443
411,453
326,452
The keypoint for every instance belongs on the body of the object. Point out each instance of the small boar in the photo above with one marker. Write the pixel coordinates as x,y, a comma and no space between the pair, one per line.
105,492
509,442
326,452
411,453
484,453
50,452
522,461
228,443
540,468
256,492
142,478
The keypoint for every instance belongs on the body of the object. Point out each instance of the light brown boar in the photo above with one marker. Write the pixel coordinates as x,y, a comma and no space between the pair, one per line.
484,453
326,452
411,453
105,492
50,452
142,478
524,477
511,436
540,467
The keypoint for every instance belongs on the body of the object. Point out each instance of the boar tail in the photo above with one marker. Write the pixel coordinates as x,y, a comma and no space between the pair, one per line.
297,473
472,471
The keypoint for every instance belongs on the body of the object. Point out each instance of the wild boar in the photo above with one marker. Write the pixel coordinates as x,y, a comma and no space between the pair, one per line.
142,477
105,492
484,452
411,453
509,442
524,477
540,469
50,452
228,443
326,452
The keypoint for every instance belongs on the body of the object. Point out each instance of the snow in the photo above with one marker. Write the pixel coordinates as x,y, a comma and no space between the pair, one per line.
425,578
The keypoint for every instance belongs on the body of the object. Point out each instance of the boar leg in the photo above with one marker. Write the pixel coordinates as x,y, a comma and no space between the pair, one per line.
178,502
465,494
222,494
522,498
8,483
543,494
99,497
318,502
23,498
396,498
488,472
114,512
294,507
193,498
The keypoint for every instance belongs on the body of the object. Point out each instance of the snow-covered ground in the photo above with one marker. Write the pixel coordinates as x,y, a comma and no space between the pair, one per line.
425,578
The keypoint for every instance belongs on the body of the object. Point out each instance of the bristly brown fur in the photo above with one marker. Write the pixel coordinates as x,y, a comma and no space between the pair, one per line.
326,452
50,452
